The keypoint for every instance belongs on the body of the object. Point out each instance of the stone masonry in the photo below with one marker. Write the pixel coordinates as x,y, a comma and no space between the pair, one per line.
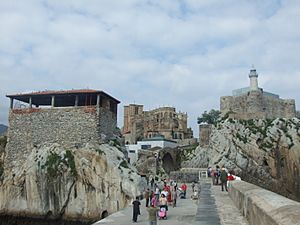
140,124
70,127
204,133
254,103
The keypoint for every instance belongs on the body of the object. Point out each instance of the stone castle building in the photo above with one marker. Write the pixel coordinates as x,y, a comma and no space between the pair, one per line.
254,103
68,118
140,124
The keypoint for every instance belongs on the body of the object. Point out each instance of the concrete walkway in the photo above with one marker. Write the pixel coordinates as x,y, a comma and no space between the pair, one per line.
213,208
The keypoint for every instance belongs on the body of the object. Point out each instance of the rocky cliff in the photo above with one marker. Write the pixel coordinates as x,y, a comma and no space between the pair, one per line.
82,184
263,152
3,142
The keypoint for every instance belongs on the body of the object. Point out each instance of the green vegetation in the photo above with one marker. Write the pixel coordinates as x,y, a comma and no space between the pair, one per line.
115,142
70,162
210,117
187,153
1,170
226,116
55,163
99,151
242,138
3,141
266,145
124,164
298,114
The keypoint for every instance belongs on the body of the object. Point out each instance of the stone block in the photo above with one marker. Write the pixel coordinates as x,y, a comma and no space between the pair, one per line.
263,207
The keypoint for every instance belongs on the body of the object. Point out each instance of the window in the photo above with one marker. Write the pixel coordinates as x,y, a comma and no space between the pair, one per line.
146,146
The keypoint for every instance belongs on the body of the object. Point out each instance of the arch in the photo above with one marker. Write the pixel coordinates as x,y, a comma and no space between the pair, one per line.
168,163
104,214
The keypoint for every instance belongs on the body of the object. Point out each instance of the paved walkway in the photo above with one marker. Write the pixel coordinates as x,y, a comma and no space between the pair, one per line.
213,208
207,212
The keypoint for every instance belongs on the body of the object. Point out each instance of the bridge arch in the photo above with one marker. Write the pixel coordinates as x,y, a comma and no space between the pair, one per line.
104,214
168,163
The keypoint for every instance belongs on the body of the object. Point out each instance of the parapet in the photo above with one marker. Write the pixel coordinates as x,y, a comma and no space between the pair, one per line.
263,207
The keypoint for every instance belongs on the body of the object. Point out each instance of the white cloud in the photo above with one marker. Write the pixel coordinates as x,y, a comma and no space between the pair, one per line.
179,53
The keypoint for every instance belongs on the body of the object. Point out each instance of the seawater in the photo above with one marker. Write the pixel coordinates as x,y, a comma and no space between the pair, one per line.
12,220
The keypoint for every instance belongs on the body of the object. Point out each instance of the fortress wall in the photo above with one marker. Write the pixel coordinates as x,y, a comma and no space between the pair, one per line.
256,105
69,127
262,207
279,108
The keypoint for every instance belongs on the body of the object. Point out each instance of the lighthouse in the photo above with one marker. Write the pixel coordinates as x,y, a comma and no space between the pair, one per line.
253,80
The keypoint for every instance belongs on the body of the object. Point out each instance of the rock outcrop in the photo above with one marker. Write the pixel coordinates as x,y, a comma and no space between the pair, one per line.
263,152
81,184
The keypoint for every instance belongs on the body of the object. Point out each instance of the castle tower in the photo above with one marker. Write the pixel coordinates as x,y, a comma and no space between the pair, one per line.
253,80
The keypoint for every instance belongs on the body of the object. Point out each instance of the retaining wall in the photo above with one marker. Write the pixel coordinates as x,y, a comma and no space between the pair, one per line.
263,207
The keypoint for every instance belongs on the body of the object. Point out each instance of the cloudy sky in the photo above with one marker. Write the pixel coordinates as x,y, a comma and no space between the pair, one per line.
181,53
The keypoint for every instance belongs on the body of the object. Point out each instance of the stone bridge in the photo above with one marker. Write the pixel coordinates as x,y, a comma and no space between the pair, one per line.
244,204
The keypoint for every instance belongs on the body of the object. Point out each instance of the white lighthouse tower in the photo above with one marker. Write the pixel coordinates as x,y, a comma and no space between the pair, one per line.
253,80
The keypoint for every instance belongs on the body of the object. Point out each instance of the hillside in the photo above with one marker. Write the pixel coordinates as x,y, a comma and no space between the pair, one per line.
3,129
263,152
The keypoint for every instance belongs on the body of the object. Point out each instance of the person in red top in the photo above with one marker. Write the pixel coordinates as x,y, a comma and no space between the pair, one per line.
169,197
230,177
183,188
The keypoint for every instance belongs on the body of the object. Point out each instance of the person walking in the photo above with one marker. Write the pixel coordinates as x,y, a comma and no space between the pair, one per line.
174,196
157,192
183,188
193,186
152,212
136,209
217,175
147,197
223,179
213,178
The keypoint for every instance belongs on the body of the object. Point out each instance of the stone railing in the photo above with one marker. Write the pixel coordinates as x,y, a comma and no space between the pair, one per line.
263,207
189,175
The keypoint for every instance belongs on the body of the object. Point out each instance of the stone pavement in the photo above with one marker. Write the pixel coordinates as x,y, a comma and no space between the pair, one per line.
213,208
227,211
207,212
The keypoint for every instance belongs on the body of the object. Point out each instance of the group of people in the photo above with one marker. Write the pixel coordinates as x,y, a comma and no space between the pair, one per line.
220,176
159,199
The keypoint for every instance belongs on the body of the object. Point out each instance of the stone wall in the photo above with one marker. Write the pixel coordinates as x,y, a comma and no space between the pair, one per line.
184,177
69,127
257,105
262,207
204,133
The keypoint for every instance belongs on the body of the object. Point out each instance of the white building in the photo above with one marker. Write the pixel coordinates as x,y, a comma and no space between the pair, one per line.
148,143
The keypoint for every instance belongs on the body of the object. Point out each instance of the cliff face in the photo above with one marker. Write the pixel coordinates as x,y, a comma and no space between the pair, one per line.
73,184
264,152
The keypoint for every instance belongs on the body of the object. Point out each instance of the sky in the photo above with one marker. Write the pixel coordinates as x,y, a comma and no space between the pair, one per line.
180,53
